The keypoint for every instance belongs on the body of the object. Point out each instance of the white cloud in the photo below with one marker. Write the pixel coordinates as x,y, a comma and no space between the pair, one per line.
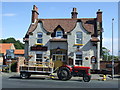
20,39
9,14
107,42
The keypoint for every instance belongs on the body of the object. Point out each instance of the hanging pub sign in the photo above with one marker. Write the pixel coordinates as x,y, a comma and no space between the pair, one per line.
38,48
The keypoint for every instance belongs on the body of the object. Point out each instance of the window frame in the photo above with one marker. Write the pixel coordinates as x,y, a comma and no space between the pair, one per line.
40,37
39,58
79,38
80,61
60,32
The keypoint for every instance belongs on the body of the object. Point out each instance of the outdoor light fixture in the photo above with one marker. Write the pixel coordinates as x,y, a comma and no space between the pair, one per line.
78,48
58,48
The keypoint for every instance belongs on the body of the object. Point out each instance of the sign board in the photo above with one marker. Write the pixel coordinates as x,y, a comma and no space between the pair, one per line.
3,65
38,48
9,53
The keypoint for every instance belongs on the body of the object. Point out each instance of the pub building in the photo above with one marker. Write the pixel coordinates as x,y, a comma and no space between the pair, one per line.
75,41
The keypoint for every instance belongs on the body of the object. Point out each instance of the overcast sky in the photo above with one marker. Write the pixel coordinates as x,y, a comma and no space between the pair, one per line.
16,17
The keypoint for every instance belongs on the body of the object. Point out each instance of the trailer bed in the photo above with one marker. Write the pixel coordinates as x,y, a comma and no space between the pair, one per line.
33,67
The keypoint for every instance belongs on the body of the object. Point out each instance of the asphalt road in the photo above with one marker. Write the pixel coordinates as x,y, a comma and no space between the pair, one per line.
38,82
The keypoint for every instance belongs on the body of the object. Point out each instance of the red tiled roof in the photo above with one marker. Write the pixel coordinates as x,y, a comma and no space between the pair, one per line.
19,51
88,24
94,39
67,24
5,46
50,24
32,27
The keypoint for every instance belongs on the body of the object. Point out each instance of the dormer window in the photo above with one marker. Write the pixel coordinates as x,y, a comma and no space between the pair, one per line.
59,33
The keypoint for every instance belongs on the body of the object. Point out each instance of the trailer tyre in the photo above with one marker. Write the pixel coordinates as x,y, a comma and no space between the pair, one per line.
24,75
64,73
86,78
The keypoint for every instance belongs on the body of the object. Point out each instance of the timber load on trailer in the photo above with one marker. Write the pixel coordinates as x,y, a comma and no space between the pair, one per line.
35,67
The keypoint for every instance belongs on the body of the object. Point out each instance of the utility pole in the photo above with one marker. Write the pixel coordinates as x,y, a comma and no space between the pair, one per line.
112,52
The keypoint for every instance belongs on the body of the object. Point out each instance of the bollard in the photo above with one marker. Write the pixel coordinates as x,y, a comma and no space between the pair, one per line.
104,78
52,76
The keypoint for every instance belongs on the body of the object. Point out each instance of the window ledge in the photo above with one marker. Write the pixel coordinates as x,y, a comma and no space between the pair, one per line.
78,44
39,44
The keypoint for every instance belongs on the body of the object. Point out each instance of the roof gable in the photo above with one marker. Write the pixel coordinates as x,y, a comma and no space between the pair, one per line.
5,46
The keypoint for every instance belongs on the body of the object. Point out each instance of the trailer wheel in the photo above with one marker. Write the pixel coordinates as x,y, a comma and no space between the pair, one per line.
86,78
24,75
64,73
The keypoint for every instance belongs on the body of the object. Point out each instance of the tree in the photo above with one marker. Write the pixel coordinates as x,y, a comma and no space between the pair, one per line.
106,55
17,43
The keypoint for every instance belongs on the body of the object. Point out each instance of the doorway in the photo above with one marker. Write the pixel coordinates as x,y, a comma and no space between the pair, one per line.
58,60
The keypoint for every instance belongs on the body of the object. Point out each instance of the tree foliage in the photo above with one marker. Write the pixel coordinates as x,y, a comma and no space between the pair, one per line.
17,43
106,55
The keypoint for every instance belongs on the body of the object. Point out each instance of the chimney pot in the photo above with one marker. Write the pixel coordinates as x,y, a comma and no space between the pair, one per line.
74,10
34,14
74,13
35,8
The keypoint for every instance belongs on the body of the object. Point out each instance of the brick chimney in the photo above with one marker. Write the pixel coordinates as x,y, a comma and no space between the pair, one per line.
99,19
74,13
34,14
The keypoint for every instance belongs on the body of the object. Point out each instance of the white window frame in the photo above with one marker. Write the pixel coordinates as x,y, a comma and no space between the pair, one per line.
40,37
79,53
60,32
79,38
39,53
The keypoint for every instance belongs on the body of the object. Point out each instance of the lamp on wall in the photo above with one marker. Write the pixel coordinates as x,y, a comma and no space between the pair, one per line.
78,48
58,48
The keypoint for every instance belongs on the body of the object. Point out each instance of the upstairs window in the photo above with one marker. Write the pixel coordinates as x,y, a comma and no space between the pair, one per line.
79,37
59,33
39,40
39,37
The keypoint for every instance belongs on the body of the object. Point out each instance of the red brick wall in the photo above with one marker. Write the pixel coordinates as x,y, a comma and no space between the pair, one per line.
116,66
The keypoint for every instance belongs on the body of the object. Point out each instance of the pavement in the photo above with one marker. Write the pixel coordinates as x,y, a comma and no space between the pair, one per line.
93,76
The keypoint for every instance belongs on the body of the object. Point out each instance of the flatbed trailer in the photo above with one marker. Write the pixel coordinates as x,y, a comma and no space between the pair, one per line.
34,67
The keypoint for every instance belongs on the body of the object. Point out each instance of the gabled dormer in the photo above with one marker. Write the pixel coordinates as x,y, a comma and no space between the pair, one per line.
58,32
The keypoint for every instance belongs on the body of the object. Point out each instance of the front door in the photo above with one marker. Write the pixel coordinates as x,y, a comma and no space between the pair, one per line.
58,60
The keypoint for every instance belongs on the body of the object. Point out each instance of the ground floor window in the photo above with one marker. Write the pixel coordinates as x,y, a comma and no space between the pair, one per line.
78,62
78,58
39,57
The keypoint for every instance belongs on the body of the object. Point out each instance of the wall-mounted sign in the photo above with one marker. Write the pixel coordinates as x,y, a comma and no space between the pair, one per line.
9,53
38,48
93,59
